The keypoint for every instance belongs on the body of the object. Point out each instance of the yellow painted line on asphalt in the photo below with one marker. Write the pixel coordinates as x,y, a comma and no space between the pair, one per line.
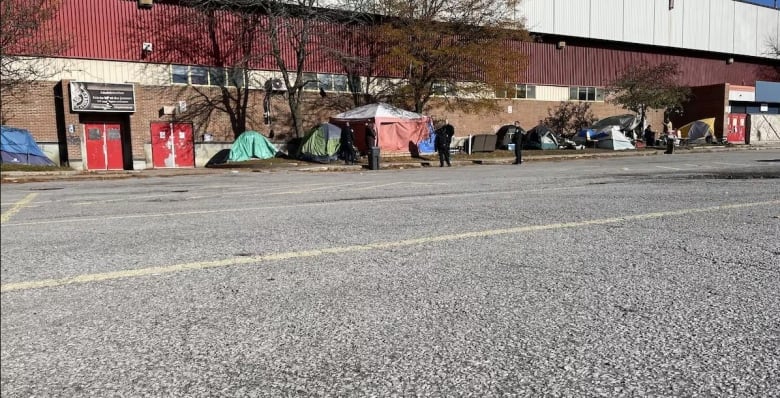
272,207
16,207
201,265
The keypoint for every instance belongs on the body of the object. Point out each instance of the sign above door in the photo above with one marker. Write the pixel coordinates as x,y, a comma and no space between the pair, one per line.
102,97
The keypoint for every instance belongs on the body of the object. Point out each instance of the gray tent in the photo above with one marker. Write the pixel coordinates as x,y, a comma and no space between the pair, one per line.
540,137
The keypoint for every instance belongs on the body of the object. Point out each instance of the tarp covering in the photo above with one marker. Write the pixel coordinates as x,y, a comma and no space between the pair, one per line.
18,146
504,135
699,131
588,135
398,130
251,144
627,122
320,144
540,137
615,140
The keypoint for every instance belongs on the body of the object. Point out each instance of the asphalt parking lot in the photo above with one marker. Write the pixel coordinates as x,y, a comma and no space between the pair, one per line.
619,276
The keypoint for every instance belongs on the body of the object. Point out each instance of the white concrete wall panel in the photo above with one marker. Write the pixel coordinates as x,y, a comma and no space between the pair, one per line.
640,21
607,19
721,29
696,25
745,28
725,26
767,29
539,15
572,17
552,93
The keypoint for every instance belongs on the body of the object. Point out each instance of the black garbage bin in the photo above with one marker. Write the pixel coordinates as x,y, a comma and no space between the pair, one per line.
373,158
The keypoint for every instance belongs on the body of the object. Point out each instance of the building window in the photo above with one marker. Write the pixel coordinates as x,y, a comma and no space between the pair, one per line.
586,94
525,91
202,76
180,74
330,82
443,89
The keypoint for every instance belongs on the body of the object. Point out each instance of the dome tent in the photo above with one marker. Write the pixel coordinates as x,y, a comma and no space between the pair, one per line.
699,131
321,144
18,146
251,144
540,137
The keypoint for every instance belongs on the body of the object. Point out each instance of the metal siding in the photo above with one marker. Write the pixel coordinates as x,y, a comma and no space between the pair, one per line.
585,66
721,29
745,27
766,29
572,17
643,15
539,14
696,21
607,19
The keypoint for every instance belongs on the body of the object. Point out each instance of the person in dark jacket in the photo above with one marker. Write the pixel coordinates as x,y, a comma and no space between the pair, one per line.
347,144
517,139
442,143
649,136
370,136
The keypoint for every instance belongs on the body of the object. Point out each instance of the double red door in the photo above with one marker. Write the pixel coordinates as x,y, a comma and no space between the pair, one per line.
173,145
736,129
104,146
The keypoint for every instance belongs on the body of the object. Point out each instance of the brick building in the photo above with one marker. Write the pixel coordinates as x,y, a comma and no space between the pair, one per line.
124,82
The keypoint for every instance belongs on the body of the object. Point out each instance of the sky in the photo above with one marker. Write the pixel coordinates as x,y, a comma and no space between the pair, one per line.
770,3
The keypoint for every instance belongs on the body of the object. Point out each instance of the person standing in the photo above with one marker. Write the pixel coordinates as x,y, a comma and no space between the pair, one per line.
346,144
442,143
517,139
370,136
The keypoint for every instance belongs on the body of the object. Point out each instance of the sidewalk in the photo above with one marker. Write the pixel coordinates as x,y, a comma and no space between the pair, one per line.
386,163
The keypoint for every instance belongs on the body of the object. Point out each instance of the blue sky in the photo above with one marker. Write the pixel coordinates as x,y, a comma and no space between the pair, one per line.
770,3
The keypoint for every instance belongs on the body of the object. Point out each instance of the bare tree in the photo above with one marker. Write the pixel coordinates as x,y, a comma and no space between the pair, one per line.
21,23
460,50
569,117
644,87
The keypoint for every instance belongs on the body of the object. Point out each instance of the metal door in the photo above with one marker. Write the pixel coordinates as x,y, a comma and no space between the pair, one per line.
104,146
736,128
172,145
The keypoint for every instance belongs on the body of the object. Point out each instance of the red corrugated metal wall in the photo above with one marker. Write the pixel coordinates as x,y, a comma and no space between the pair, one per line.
116,29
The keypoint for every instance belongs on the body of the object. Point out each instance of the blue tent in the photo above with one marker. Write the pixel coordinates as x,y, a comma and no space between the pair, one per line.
18,146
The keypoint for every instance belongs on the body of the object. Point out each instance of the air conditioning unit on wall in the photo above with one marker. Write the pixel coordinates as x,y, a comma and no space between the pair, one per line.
145,3
275,85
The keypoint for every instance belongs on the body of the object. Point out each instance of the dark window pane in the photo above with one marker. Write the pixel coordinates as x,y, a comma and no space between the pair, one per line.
236,77
113,134
179,74
199,75
312,84
340,83
217,77
95,134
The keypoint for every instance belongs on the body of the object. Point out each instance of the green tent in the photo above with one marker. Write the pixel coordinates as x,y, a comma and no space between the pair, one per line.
321,144
251,144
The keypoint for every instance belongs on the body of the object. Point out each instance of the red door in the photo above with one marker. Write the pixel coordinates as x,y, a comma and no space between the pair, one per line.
104,146
172,145
736,133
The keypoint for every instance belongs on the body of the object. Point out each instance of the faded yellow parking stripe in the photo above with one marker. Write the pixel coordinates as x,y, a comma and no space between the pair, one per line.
18,206
159,270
